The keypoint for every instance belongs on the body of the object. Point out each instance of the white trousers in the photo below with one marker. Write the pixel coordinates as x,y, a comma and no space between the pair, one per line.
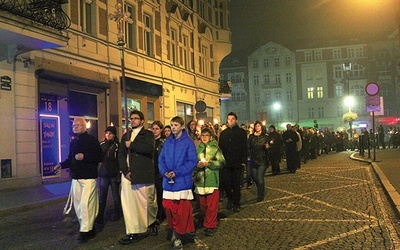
139,205
86,202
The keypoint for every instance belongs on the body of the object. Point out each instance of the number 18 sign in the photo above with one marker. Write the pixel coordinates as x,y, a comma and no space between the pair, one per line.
48,104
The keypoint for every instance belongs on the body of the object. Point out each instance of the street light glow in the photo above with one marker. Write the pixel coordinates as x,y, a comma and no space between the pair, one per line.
349,101
277,106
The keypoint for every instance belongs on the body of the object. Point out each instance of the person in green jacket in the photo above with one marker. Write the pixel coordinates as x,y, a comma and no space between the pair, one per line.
206,174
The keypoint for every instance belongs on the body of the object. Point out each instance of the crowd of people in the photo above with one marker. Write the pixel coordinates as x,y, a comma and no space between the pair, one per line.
159,174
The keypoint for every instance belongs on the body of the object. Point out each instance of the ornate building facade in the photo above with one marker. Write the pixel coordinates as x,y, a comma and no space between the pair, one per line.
55,71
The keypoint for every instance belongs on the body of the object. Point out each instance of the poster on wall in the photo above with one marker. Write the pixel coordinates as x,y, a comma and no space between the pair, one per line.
49,145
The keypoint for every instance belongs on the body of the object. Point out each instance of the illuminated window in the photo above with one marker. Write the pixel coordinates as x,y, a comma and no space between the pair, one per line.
184,110
310,93
320,92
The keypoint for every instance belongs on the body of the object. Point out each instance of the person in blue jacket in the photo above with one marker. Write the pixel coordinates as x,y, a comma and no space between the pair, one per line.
176,163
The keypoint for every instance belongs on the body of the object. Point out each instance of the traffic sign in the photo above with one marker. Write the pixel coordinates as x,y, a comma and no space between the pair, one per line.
372,88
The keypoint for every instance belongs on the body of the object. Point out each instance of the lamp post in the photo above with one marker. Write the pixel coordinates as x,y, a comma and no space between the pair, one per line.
277,106
349,100
119,16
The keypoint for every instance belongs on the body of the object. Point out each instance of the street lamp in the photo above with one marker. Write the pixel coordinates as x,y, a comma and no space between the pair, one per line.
119,16
350,117
277,106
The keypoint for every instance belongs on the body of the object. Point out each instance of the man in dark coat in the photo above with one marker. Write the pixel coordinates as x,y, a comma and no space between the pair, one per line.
290,139
84,156
138,197
233,143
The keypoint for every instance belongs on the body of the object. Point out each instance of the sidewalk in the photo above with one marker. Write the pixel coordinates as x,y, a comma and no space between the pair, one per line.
17,200
387,167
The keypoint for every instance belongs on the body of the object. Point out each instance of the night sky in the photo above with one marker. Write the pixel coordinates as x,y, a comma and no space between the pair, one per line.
295,23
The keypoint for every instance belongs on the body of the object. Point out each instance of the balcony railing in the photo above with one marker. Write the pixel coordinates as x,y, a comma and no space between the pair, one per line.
45,12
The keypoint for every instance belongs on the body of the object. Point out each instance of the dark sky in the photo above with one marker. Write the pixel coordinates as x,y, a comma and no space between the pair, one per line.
293,22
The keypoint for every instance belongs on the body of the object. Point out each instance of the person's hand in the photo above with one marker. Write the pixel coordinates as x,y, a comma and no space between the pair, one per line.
57,168
128,143
128,176
170,174
79,157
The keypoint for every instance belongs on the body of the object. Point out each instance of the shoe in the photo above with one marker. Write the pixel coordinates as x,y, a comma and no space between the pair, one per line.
236,208
209,231
177,244
128,239
84,237
153,229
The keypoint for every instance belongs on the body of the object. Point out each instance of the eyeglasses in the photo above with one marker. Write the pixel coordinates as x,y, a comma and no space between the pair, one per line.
134,118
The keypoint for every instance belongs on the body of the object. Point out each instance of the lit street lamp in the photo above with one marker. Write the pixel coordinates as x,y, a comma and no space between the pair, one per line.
277,107
119,16
349,117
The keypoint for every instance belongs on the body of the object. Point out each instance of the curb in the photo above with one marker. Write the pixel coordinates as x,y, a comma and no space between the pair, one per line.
393,195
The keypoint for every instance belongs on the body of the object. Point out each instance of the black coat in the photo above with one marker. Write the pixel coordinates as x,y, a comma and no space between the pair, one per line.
141,155
89,146
233,143
109,166
257,149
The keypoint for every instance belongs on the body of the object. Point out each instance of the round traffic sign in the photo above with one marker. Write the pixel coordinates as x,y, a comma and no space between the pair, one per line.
372,88
200,106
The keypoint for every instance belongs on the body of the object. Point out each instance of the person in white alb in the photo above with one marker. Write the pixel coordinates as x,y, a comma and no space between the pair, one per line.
138,194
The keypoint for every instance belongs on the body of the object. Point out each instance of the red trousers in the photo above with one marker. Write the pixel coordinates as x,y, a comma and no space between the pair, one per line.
209,208
179,215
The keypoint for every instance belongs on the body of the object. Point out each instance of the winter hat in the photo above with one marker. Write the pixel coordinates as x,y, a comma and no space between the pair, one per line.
272,126
112,129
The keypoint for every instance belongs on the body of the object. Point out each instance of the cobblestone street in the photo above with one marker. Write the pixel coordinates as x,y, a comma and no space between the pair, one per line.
332,202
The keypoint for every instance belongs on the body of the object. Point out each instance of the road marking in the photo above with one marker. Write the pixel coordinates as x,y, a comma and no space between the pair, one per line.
340,236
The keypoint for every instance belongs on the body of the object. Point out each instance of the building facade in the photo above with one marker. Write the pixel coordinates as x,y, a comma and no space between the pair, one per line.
273,87
53,74
233,71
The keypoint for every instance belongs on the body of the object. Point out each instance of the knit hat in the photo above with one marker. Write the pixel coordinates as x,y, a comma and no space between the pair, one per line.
112,129
272,126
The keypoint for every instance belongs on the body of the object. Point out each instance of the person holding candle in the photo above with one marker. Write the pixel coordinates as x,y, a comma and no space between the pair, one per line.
206,174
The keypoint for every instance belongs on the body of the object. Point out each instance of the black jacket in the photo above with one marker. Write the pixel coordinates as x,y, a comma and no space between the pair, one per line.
258,152
233,143
92,155
109,166
141,155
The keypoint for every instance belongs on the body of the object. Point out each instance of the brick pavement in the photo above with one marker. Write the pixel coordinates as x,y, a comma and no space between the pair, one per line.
330,203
